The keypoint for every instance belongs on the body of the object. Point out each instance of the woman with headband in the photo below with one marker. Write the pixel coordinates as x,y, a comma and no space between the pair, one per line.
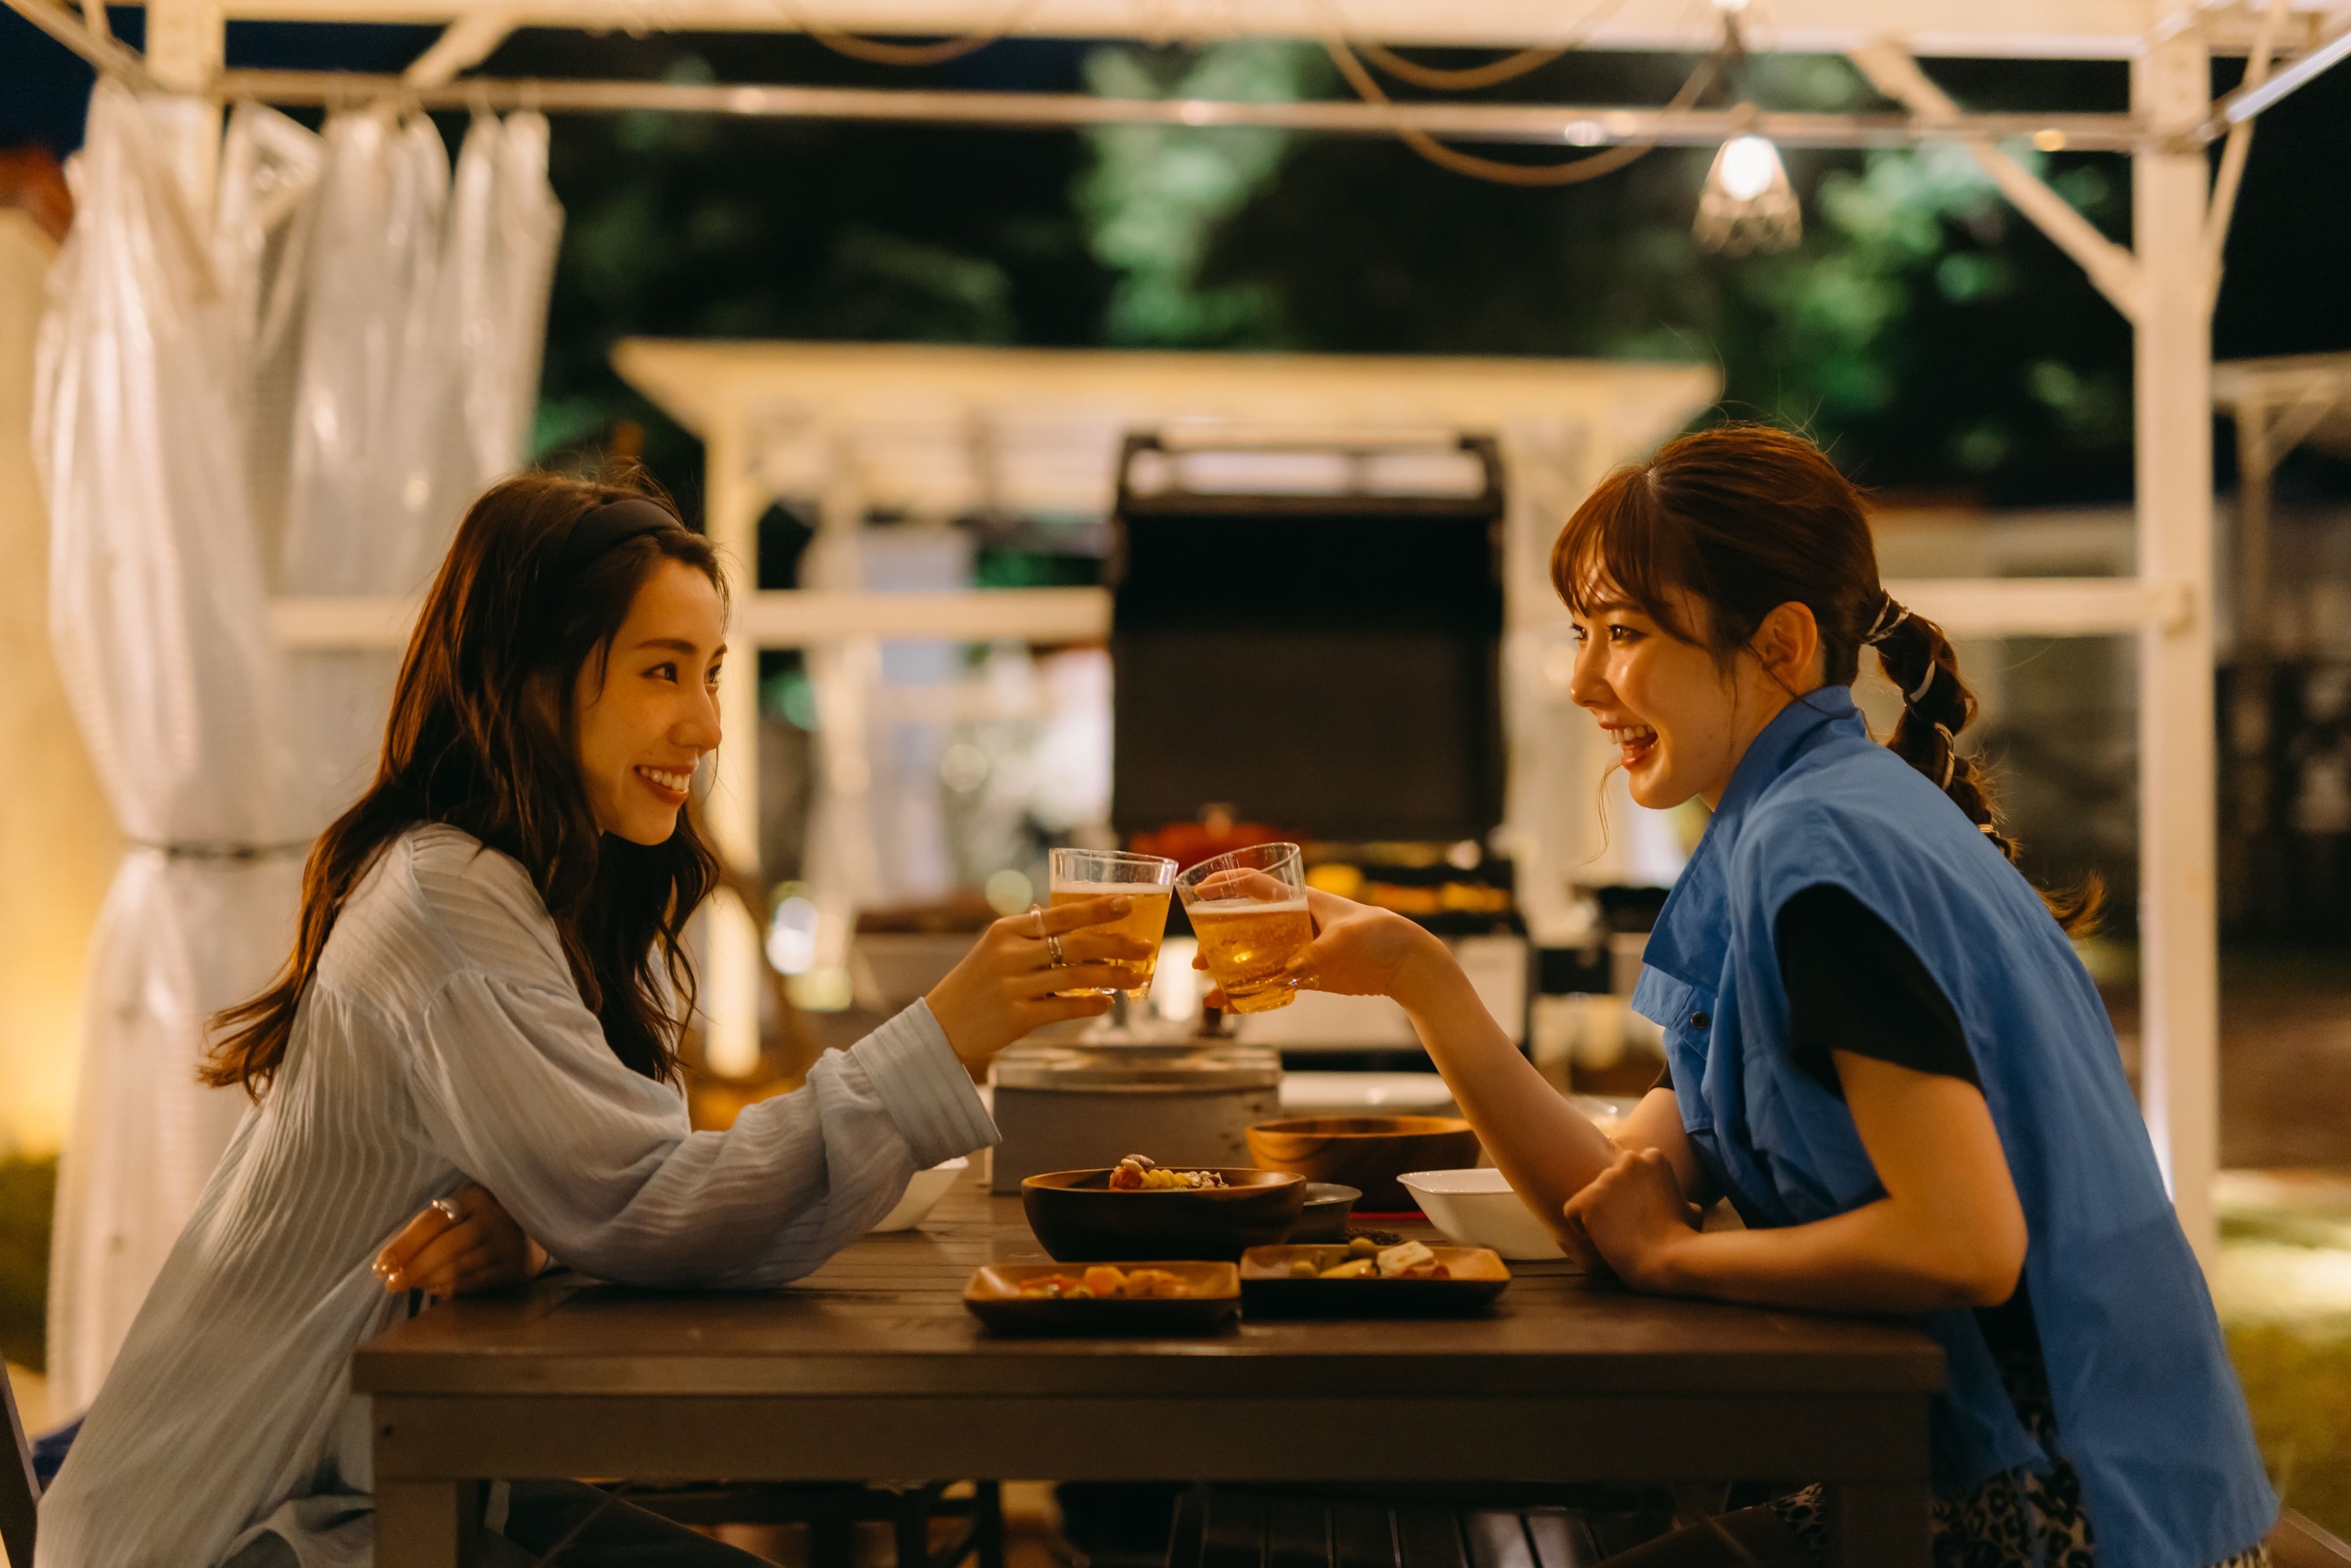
488,985
1880,1046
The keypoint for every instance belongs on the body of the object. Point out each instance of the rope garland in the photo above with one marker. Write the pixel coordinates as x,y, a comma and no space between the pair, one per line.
1495,171
874,51
1509,68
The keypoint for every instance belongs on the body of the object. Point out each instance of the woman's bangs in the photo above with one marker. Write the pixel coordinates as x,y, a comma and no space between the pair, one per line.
1611,555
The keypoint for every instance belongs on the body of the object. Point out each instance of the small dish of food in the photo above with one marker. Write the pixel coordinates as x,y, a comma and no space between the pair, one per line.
1141,1209
1141,1172
1362,1278
1166,1297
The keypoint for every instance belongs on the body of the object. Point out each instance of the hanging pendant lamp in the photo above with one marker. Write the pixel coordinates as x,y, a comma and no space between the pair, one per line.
1748,205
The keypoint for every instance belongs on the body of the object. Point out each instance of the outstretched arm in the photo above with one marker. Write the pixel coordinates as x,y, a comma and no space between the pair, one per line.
1546,1147
515,1086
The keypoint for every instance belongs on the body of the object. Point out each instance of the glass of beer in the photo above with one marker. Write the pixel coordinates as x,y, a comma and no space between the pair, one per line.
1249,910
1079,874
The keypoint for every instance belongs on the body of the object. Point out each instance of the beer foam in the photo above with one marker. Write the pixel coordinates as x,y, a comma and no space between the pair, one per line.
1214,907
1112,889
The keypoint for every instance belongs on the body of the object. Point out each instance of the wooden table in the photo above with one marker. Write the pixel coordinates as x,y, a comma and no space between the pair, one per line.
871,1368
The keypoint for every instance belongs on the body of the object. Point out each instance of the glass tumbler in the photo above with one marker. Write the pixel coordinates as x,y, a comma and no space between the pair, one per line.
1078,875
1247,907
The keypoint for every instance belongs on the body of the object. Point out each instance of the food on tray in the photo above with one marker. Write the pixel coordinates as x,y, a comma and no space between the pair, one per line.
1362,1260
1141,1172
1103,1283
1413,1261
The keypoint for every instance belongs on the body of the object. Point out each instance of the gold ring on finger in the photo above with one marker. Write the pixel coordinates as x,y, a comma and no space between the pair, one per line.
1053,949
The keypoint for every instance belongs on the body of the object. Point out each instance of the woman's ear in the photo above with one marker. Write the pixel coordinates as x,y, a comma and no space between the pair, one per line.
1788,645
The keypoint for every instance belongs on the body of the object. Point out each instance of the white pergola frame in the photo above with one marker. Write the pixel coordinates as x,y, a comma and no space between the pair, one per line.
2163,282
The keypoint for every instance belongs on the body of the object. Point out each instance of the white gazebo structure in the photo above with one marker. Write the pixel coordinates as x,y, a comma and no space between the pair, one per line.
944,432
2163,282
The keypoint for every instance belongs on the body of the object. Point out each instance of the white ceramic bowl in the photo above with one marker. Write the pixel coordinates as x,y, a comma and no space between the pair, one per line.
923,1195
1478,1208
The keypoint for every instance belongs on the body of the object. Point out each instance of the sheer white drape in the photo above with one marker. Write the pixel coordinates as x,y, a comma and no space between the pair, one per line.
425,305
157,607
321,363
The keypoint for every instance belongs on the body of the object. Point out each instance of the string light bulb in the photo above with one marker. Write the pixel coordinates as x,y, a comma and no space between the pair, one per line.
1748,205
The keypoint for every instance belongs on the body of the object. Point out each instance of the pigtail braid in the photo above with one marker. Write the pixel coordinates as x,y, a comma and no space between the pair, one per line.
1937,706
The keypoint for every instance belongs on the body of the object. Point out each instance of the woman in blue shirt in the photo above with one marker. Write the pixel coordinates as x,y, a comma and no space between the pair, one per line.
1881,1048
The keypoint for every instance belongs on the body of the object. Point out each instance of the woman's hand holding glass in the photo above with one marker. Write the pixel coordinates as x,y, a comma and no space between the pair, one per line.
1362,951
1357,951
1005,985
458,1245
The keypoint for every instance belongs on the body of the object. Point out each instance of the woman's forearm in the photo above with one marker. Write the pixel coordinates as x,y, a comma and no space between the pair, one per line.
1873,1258
1546,1148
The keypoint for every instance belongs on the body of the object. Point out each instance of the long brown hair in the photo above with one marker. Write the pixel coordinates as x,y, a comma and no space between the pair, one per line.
482,737
1745,518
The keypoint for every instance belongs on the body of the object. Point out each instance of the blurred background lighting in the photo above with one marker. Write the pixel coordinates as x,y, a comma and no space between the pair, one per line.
1010,892
791,937
1748,205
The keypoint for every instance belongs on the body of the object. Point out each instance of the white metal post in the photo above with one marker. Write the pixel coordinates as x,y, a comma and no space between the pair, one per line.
730,998
2178,930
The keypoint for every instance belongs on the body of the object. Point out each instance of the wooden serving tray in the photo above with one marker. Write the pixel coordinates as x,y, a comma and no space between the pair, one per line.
994,1297
1478,1275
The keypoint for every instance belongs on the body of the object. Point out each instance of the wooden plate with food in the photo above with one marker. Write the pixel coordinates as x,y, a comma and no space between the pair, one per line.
1361,1279
1173,1297
1140,1209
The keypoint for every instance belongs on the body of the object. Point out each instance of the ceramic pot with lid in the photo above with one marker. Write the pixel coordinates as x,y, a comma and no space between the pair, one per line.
1078,1107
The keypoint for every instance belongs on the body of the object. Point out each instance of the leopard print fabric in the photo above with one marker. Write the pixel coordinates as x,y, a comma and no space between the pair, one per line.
2015,1520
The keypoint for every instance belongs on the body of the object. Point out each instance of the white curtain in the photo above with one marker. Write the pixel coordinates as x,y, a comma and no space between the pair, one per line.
419,370
157,609
263,371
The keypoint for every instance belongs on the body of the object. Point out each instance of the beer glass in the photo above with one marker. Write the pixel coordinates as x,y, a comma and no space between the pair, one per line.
1078,875
1249,910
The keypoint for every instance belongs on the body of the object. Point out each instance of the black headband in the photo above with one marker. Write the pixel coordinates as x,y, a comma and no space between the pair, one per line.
605,528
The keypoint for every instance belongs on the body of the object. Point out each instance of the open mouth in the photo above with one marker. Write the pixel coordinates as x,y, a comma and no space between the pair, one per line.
668,784
1636,743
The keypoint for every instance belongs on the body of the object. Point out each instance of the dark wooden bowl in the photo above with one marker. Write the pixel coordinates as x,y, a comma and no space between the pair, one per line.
1079,1219
1365,1152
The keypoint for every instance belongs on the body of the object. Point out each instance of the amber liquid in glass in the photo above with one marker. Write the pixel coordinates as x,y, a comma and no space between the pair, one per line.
1146,923
1248,946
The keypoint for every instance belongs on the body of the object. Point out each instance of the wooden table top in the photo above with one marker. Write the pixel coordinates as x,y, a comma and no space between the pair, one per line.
886,1318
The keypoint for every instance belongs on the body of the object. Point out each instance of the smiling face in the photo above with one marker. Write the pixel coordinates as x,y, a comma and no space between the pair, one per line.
1679,720
647,713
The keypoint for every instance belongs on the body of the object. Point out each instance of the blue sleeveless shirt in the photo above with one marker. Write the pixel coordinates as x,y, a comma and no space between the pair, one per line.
2148,1410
